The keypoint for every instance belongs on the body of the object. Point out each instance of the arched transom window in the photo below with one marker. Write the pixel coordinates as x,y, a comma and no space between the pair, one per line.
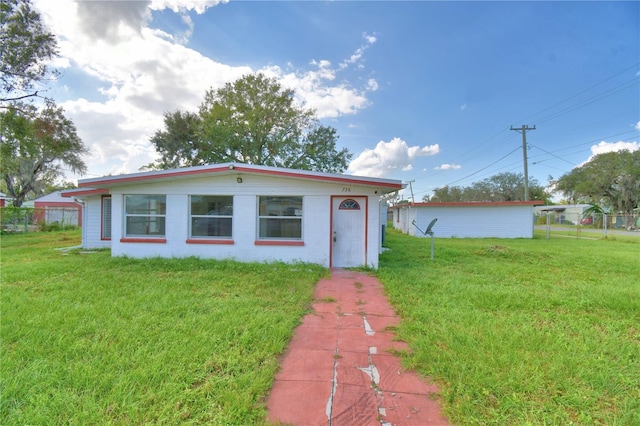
349,204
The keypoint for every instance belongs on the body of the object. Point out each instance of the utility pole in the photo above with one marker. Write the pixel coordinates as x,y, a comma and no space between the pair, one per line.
411,188
524,130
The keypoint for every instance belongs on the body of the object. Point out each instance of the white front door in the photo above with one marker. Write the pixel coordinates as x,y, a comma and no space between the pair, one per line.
348,239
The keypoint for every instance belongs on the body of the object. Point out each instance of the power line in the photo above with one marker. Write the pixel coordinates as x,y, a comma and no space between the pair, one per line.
484,168
592,142
582,91
551,154
588,101
625,85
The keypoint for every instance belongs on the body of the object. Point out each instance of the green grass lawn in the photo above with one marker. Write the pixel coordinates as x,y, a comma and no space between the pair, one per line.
514,331
90,339
522,331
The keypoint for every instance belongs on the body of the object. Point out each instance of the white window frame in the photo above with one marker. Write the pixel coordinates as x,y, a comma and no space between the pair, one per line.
209,216
160,217
298,215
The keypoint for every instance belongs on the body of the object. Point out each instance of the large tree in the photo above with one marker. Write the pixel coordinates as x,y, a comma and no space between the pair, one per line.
253,120
500,187
26,47
36,139
179,144
35,145
611,179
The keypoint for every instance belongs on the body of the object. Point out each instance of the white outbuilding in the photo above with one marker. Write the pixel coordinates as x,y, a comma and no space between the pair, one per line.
237,211
507,219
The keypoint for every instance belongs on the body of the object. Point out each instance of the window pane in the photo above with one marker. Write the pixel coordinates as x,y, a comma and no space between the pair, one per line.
145,225
281,228
106,217
280,206
212,205
145,204
211,227
349,204
280,217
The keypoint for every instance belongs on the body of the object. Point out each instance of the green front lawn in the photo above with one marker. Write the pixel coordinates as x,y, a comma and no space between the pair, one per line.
522,331
89,339
514,331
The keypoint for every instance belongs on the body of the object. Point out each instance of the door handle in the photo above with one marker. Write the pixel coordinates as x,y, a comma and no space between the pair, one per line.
334,237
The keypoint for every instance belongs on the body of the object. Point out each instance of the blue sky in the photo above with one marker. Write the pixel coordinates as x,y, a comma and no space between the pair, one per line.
420,91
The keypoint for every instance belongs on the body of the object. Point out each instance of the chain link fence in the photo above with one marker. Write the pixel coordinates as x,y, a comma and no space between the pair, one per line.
26,219
592,223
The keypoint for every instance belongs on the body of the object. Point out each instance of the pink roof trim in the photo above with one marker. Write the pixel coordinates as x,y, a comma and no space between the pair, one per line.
236,168
86,191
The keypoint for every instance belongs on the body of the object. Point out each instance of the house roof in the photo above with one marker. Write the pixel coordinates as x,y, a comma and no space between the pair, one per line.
472,204
52,197
387,185
551,208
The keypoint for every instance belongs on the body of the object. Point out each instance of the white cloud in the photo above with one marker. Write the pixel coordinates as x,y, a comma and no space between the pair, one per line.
315,89
369,38
637,126
199,6
389,157
357,55
142,72
604,147
448,167
372,85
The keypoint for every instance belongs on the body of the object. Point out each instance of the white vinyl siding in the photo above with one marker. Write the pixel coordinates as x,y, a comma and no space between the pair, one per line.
483,221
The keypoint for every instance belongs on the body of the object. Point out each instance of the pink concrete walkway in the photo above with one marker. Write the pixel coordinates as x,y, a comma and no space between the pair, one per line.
340,369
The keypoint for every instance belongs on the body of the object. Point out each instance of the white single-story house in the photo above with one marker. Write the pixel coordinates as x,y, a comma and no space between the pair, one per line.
508,219
238,211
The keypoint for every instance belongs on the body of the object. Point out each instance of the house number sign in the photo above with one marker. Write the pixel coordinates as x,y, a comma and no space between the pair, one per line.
346,189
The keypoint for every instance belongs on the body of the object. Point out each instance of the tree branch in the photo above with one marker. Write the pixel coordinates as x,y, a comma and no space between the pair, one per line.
19,98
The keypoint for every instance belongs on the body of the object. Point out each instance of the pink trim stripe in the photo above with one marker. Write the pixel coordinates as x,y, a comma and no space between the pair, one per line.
144,240
88,191
196,241
278,243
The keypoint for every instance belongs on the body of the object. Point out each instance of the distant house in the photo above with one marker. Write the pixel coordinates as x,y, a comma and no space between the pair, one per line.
238,211
54,207
3,199
509,219
565,213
